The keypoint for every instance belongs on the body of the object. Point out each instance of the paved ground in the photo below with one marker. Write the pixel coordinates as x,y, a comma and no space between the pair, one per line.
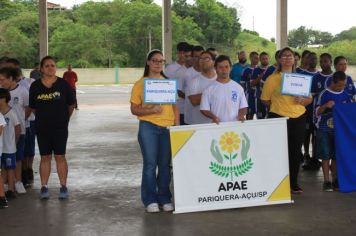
104,179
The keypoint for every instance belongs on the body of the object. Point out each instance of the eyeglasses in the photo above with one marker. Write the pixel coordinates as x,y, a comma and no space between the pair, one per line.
287,56
158,62
205,59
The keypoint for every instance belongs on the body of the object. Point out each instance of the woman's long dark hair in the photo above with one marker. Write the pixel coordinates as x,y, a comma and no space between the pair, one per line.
147,67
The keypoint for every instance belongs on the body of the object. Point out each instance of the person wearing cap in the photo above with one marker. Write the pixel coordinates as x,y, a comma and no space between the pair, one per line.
153,137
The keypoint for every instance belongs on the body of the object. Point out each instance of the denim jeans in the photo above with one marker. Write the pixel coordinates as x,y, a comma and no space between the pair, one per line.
156,151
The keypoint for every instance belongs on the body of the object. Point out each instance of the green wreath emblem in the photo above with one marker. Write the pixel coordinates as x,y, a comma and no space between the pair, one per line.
230,142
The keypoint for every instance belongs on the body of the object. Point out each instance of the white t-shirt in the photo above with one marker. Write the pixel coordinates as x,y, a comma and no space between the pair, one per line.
19,100
176,71
188,76
9,139
224,100
26,82
197,86
3,124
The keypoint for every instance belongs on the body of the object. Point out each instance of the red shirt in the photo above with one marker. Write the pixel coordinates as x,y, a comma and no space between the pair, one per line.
71,78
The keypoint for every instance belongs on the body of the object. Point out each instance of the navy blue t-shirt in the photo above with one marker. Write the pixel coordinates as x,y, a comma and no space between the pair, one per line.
268,72
51,104
325,120
350,86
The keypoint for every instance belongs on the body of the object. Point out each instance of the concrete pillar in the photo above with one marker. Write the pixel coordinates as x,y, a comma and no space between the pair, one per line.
43,22
282,24
167,30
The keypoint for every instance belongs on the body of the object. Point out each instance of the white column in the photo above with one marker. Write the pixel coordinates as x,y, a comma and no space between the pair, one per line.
282,24
167,30
43,22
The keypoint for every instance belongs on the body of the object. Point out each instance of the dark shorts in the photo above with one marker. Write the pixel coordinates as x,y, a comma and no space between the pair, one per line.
20,148
325,145
8,161
52,142
30,140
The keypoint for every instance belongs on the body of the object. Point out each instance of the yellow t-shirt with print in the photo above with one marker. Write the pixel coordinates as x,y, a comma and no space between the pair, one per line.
164,119
283,105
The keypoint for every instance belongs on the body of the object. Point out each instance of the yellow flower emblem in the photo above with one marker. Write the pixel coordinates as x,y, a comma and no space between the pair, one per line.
229,142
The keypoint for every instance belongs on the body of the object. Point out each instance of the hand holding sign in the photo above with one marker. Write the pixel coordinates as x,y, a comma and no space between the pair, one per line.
157,109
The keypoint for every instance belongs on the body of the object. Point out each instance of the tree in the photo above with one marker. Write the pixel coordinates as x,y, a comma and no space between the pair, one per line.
84,48
14,43
303,37
218,22
349,34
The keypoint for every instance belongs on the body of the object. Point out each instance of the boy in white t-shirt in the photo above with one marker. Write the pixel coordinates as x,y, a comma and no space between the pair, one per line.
19,103
224,100
198,84
188,76
12,130
3,201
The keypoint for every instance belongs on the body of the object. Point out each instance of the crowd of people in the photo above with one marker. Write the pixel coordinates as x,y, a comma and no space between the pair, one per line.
33,107
212,89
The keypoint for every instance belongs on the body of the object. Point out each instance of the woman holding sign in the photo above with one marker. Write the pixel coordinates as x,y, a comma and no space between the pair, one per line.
153,137
293,107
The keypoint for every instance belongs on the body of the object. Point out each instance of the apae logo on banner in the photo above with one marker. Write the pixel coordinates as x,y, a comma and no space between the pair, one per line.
228,165
230,143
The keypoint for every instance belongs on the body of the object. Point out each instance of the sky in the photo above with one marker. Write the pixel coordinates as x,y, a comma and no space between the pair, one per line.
260,15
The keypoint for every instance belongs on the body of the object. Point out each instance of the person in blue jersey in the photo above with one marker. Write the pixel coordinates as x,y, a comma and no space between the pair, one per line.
318,85
318,81
304,63
245,83
334,94
271,68
238,68
312,61
340,64
256,78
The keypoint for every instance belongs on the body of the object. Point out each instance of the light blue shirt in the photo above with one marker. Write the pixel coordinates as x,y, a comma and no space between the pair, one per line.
237,70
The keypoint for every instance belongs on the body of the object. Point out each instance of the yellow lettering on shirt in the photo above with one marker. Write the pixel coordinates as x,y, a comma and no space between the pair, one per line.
49,96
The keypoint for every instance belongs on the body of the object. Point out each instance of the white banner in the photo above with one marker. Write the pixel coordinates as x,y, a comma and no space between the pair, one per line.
230,165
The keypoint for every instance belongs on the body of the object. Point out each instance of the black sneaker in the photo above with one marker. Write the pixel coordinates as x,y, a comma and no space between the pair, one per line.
327,187
296,190
335,185
3,203
10,194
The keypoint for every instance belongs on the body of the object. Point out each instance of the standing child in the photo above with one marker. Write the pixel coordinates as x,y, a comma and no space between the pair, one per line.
19,103
3,201
334,94
11,132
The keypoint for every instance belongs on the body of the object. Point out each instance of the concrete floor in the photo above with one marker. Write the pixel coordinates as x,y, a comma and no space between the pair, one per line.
104,181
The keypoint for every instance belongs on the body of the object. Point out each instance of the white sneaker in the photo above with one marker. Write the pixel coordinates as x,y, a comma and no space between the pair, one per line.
168,207
20,189
152,208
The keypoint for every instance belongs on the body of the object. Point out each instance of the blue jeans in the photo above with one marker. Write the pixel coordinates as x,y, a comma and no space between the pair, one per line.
156,151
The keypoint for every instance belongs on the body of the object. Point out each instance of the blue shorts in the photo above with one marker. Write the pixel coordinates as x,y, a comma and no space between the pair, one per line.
20,148
30,140
8,161
325,145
